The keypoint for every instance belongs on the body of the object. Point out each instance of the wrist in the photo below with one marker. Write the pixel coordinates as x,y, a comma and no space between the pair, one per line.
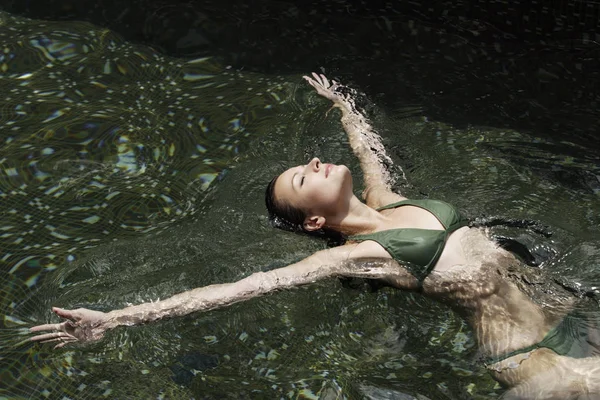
346,112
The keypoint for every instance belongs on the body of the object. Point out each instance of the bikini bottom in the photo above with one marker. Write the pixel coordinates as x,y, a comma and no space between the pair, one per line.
577,336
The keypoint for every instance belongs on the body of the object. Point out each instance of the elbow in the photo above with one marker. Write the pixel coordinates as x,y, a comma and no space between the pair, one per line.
260,283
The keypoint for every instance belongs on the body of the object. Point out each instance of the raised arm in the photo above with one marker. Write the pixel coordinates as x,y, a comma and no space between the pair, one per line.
84,325
365,142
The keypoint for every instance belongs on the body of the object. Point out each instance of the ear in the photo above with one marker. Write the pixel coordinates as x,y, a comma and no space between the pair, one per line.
313,223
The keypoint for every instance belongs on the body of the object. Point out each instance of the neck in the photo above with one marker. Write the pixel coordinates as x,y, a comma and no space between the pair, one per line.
358,219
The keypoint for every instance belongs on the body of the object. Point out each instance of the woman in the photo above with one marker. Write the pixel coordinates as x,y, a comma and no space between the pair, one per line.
421,245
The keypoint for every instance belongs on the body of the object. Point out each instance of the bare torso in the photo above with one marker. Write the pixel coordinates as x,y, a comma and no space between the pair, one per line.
472,276
504,318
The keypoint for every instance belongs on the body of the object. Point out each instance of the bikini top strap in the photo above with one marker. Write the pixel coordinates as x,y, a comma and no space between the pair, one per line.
396,204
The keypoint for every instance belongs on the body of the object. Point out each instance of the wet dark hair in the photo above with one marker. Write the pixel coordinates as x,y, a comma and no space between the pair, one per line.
284,216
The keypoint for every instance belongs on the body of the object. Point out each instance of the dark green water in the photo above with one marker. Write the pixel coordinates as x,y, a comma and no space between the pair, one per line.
127,176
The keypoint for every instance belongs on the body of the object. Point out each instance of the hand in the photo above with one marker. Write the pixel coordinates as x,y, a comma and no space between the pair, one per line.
332,91
82,325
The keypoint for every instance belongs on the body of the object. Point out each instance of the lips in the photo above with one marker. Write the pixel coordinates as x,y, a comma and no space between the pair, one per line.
328,169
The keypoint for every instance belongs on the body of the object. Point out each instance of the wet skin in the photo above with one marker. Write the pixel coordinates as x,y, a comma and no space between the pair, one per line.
323,191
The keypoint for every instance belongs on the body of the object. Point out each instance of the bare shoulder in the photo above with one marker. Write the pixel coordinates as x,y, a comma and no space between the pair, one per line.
376,197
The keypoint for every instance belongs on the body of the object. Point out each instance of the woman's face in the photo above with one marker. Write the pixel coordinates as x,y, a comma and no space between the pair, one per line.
317,188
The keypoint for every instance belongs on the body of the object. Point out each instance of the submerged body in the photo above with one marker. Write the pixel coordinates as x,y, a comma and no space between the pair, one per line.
421,245
510,328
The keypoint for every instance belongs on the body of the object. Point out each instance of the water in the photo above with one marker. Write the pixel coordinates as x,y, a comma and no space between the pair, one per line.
128,176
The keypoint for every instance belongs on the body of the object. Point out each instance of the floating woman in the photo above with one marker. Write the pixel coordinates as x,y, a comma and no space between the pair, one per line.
420,245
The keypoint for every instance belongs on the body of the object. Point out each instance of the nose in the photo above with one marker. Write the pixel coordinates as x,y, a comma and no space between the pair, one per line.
314,165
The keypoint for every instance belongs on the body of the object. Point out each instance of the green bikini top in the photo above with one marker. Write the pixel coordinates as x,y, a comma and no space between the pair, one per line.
418,249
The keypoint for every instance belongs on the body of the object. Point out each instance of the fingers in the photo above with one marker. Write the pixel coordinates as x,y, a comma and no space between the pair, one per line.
60,336
58,346
316,76
316,84
327,89
46,327
321,82
321,79
317,80
68,314
51,337
53,340
63,341
310,81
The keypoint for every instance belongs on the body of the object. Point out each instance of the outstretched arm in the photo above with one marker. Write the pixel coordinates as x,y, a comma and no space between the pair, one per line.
365,142
84,325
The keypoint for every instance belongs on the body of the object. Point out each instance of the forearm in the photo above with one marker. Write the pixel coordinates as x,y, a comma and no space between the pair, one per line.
258,284
366,145
199,299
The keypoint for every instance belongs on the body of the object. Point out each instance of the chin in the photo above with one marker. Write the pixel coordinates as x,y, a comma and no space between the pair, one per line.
346,171
343,169
346,176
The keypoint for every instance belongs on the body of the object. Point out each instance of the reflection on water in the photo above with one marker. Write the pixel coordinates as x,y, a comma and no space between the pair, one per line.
114,191
102,139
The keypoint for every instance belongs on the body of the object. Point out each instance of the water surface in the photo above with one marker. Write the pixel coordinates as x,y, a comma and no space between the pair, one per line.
128,176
